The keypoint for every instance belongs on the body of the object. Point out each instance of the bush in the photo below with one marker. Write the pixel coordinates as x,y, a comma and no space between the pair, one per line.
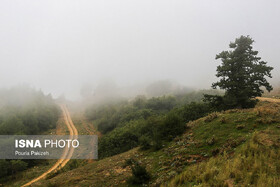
152,132
18,165
161,103
4,165
194,111
72,164
227,102
172,126
145,142
148,123
139,173
120,139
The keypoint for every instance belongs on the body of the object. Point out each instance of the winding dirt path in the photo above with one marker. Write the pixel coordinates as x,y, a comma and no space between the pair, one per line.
67,153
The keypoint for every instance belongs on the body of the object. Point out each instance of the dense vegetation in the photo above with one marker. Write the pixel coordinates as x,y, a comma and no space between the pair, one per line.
24,111
149,123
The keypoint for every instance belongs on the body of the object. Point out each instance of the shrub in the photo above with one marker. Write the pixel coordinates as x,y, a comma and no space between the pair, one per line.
139,173
18,165
4,165
145,142
152,132
172,126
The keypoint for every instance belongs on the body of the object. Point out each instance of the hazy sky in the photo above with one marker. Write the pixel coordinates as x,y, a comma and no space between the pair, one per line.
59,45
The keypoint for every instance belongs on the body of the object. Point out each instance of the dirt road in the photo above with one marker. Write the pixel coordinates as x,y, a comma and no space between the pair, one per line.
269,99
67,153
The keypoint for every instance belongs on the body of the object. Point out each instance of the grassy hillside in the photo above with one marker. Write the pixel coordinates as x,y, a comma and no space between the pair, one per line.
233,147
255,163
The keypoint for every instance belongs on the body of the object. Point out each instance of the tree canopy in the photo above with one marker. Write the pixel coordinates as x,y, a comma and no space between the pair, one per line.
242,75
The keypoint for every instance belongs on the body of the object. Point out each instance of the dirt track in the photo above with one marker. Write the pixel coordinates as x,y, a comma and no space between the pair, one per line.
269,99
67,153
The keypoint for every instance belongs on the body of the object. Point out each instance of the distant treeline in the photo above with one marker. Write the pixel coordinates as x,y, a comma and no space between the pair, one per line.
148,123
24,111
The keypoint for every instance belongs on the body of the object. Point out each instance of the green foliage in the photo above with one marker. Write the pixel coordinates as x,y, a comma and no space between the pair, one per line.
33,114
18,165
4,166
72,164
153,131
111,116
24,111
120,140
161,103
140,102
150,133
193,111
242,74
139,173
148,123
145,142
172,126
196,96
215,102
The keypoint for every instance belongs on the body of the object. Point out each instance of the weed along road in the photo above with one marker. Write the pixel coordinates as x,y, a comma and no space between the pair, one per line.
67,153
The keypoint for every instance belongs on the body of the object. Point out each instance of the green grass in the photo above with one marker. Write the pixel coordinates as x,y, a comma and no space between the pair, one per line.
257,163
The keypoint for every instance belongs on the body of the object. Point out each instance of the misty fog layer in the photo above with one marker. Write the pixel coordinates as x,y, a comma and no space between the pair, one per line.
63,46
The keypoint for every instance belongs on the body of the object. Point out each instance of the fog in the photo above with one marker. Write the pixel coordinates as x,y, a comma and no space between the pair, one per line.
63,46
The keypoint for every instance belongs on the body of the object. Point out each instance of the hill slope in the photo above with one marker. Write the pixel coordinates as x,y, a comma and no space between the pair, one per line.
215,146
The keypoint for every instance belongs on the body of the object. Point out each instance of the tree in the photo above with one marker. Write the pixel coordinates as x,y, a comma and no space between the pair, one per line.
242,75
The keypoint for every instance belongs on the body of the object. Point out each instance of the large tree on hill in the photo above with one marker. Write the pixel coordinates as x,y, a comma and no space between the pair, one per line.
242,75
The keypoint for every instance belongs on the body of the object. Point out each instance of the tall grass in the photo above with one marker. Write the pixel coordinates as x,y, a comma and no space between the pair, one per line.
256,163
